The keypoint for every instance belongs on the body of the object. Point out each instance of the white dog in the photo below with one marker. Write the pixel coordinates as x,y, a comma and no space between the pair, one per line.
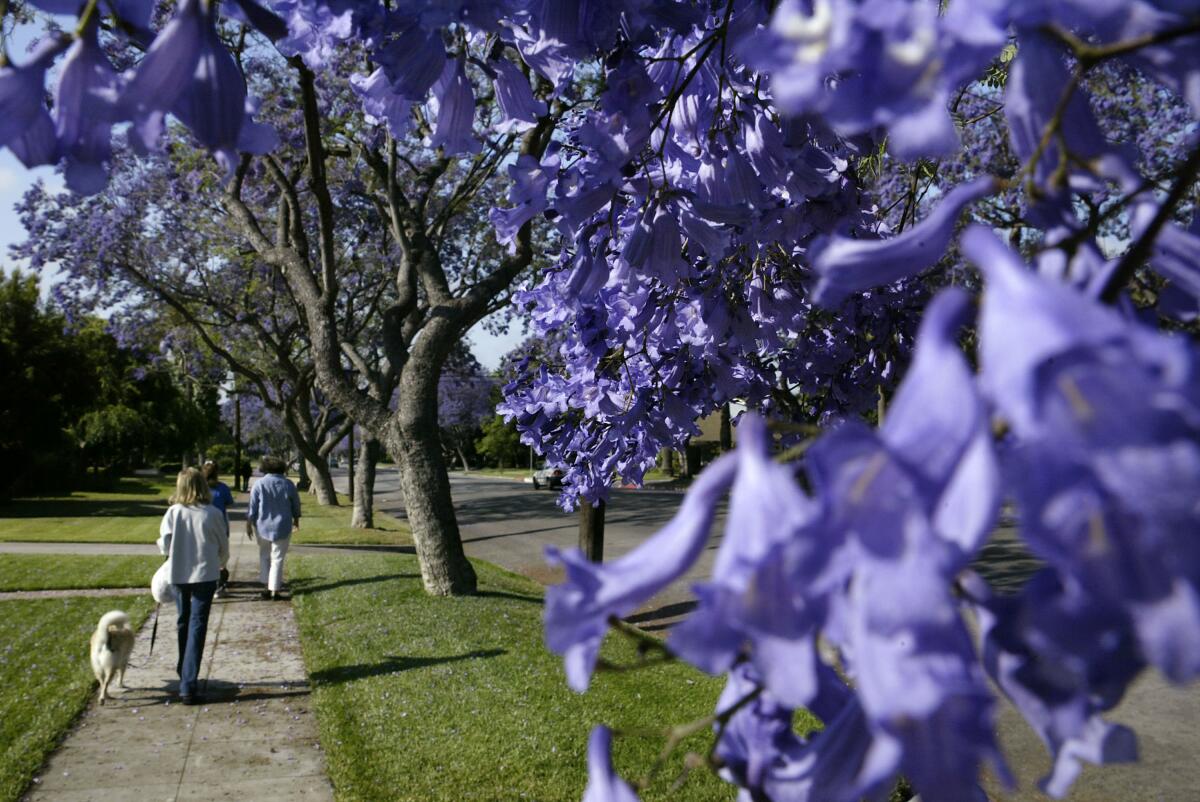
112,643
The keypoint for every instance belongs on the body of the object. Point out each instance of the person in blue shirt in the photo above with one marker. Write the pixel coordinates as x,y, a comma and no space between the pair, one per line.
222,497
273,513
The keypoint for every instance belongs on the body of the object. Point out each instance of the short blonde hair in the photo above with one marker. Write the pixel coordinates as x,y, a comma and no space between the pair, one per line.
190,489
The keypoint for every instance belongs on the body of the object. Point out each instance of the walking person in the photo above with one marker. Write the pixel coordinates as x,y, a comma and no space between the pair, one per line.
222,497
273,512
195,539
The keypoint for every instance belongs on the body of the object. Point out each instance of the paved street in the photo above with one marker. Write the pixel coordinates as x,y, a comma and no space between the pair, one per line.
509,523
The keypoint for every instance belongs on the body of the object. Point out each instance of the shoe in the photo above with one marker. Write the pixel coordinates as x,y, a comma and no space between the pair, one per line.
222,593
266,595
194,699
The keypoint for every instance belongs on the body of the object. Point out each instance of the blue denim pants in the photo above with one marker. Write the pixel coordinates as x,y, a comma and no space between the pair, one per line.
193,603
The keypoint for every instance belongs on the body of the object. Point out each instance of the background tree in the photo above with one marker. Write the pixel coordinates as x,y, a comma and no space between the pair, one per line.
120,408
465,399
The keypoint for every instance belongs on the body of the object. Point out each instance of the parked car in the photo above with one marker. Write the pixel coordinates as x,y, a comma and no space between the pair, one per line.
550,476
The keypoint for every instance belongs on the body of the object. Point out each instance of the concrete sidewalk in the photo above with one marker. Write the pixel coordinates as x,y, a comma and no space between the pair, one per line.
254,739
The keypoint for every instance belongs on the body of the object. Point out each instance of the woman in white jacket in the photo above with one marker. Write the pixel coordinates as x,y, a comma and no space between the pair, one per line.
195,540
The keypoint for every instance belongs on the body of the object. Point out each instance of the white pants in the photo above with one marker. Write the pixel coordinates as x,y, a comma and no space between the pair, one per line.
270,561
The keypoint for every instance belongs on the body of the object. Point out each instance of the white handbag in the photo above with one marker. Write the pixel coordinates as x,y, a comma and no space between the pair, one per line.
160,586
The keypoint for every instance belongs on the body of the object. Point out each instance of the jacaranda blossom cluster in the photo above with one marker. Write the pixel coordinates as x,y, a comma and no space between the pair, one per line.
768,203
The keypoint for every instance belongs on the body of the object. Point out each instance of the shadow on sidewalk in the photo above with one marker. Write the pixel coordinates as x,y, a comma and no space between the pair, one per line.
392,665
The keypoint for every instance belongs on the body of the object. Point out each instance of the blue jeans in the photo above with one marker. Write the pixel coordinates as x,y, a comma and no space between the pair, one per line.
192,602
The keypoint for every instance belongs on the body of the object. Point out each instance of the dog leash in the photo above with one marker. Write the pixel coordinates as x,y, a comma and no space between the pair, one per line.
154,629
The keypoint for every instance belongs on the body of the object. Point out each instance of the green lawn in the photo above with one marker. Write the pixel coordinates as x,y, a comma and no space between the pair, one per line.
45,676
506,473
424,699
331,525
131,514
59,571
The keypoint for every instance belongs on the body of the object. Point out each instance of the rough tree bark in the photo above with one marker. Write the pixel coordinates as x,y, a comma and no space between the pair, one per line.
364,484
419,325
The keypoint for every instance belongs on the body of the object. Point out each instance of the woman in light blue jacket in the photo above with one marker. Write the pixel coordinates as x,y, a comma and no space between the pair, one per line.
273,512
194,537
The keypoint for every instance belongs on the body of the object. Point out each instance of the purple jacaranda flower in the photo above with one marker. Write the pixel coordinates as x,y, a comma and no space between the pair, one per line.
548,57
890,63
266,21
189,72
727,188
213,107
577,199
1062,658
24,119
847,266
453,104
85,108
519,109
603,783
1176,254
762,753
382,103
745,603
316,30
165,72
939,427
1034,88
578,610
415,62
531,179
654,245
1105,458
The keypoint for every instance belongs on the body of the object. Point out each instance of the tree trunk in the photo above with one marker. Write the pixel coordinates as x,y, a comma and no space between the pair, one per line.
726,429
415,445
364,484
303,483
462,456
322,483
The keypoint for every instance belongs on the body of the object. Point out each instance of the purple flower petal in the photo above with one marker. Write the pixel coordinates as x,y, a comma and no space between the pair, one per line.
603,783
847,266
519,109
577,611
454,106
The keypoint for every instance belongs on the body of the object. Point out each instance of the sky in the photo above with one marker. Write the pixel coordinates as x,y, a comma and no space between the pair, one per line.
15,179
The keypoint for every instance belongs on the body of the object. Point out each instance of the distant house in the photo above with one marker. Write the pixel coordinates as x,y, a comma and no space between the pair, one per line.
710,429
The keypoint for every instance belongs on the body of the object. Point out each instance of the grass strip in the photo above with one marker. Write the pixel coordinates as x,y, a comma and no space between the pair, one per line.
331,526
421,698
75,571
130,514
504,473
45,676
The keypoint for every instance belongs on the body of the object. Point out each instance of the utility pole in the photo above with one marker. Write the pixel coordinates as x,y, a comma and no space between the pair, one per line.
591,531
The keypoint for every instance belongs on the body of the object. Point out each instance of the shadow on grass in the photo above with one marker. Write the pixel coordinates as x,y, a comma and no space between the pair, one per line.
393,664
499,594
666,611
80,508
316,584
387,548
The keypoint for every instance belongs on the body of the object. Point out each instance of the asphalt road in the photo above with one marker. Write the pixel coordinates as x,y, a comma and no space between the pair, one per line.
509,523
